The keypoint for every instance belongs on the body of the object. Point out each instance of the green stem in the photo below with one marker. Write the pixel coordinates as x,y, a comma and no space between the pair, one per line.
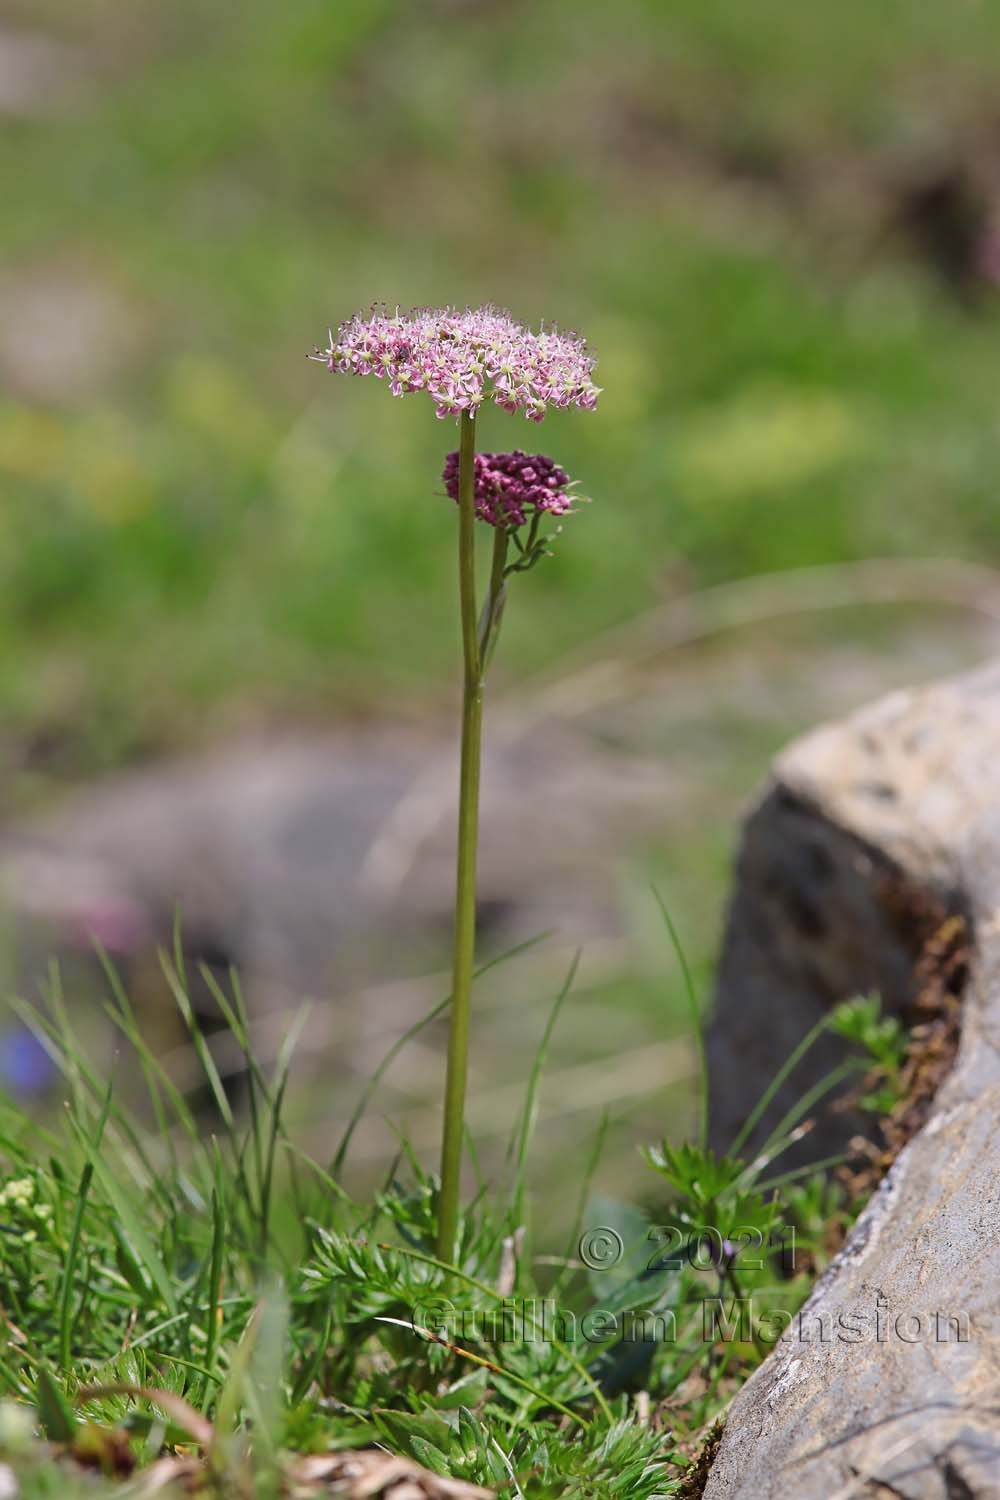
489,622
468,825
467,547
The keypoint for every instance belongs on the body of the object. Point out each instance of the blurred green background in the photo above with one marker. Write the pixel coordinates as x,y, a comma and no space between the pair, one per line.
778,225
773,224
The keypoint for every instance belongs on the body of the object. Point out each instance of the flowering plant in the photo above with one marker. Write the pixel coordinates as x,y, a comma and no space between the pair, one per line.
462,360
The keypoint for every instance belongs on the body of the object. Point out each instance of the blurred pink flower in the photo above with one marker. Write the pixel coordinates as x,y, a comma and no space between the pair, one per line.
463,358
119,925
510,487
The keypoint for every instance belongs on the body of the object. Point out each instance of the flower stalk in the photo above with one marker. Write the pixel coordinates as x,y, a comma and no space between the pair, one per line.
468,836
479,641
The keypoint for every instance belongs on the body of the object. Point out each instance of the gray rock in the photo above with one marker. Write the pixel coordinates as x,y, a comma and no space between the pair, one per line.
319,863
888,1383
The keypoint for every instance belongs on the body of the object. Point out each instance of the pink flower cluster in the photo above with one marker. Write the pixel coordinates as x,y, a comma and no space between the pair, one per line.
510,487
462,358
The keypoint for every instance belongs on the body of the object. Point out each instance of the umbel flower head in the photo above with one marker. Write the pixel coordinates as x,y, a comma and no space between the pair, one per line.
461,359
511,488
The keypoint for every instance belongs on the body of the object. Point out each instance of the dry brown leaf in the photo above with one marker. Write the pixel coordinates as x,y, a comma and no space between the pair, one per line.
370,1474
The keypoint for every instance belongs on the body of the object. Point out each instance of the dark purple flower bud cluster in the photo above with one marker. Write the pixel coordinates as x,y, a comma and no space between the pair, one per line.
513,487
463,358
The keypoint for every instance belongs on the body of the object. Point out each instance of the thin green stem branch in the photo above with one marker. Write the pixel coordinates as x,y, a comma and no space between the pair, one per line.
468,827
489,623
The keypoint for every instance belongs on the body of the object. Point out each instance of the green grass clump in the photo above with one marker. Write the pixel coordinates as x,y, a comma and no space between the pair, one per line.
211,1295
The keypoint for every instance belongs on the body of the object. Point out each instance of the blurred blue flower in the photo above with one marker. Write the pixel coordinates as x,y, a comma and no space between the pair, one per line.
25,1066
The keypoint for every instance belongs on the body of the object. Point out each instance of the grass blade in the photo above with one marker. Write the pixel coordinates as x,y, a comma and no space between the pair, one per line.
529,1113
390,1057
694,1011
788,1067
205,1057
593,1161
72,1251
